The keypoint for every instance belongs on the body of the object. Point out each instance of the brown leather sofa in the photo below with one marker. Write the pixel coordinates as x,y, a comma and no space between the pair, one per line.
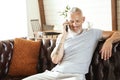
99,69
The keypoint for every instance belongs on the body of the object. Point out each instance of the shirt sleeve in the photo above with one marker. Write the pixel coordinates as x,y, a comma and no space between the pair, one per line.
98,33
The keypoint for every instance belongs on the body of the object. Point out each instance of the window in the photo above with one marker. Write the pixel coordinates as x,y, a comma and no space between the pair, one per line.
13,19
98,13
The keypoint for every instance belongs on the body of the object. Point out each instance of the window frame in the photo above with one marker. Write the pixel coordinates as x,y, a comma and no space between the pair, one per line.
113,7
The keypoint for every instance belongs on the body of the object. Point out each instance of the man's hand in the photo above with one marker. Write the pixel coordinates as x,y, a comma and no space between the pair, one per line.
65,25
106,50
112,37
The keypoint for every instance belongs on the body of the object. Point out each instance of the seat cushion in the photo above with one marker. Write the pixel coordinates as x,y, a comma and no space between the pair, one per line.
25,57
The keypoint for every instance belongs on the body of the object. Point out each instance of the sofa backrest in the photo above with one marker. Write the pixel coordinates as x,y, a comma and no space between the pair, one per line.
6,50
98,70
45,63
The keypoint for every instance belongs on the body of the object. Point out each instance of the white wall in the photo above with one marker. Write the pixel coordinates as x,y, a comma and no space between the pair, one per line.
98,12
13,19
32,13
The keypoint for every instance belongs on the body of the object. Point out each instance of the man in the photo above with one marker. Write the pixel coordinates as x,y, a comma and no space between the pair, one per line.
74,49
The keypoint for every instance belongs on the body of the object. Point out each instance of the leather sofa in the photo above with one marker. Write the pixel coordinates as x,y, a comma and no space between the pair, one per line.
98,70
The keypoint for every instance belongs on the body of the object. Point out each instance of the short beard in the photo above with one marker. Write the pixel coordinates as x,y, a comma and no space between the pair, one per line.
72,33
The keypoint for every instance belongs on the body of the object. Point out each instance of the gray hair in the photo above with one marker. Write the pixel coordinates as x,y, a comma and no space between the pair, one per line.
76,9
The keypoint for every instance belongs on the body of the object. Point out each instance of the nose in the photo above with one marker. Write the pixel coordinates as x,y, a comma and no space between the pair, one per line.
74,24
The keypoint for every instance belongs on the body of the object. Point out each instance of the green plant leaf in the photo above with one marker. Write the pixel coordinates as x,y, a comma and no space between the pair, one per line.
65,12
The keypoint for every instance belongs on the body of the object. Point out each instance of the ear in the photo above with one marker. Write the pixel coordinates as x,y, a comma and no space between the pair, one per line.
83,19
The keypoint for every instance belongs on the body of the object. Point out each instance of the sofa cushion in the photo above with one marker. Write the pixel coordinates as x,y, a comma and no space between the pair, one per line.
25,57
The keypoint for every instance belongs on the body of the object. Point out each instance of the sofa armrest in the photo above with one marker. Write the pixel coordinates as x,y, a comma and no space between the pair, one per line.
6,50
105,70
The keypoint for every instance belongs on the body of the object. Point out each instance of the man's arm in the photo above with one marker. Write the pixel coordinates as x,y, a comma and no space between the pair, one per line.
58,52
111,37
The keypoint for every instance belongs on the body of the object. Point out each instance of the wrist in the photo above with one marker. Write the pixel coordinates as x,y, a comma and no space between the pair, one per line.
109,40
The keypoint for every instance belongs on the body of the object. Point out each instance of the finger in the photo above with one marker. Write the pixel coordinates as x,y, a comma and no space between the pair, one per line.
110,51
102,54
64,24
105,55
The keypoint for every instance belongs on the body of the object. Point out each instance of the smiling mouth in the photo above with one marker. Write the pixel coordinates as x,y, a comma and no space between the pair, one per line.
75,27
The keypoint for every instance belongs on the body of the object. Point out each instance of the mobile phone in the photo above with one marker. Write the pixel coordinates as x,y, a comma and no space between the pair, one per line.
66,28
